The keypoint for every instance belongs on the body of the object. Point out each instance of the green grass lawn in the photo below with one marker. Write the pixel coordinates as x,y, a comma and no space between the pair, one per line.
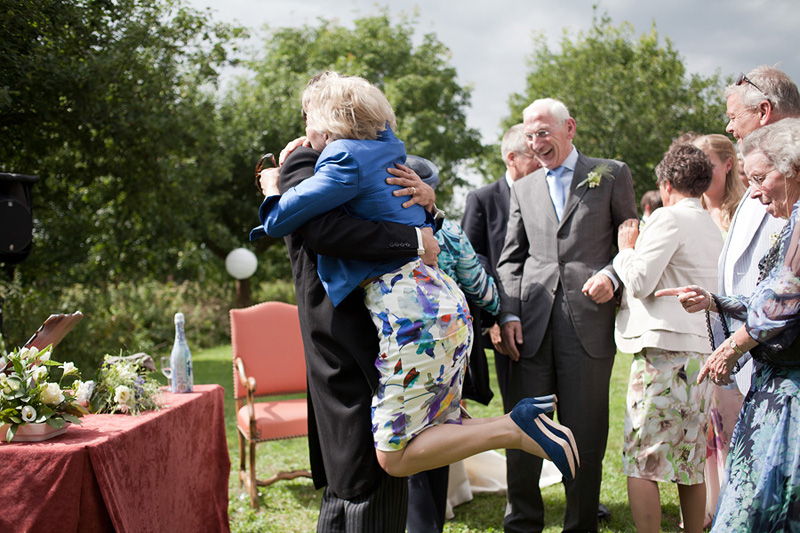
294,505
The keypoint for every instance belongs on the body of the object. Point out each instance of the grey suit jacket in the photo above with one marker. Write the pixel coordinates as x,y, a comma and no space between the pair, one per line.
540,252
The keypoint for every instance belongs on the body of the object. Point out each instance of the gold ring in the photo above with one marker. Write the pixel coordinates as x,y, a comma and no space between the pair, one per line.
413,191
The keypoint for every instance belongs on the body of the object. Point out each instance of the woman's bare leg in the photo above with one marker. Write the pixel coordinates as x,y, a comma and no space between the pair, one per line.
693,506
645,503
447,443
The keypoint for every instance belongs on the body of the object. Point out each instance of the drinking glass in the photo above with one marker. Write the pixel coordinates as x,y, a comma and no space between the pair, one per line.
166,369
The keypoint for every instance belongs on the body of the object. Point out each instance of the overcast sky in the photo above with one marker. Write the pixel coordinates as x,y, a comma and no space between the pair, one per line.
490,41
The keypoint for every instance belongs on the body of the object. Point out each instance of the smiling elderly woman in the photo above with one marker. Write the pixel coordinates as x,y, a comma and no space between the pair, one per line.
763,488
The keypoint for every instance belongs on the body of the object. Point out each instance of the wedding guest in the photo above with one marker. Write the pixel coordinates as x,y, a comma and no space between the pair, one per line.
666,419
762,490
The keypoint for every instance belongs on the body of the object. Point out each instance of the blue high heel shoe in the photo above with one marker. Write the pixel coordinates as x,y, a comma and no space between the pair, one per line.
556,440
543,401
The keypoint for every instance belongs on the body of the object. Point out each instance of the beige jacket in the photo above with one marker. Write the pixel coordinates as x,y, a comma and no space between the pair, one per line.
679,245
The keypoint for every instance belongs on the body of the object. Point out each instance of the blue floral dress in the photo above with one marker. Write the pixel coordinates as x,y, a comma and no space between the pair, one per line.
762,492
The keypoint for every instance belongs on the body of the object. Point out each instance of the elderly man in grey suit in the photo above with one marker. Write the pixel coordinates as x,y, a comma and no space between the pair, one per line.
764,96
558,285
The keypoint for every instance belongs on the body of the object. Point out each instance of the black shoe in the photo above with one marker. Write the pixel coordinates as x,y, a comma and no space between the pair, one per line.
603,512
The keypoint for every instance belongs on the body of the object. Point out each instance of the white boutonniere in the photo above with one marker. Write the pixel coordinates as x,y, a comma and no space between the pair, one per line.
596,175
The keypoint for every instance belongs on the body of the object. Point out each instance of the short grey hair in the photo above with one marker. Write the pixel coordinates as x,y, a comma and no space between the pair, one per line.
773,85
780,144
514,141
556,108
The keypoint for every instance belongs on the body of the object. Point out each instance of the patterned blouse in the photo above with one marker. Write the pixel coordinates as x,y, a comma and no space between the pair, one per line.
772,312
458,260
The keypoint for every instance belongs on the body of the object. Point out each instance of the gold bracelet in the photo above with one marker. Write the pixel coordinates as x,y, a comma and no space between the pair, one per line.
735,347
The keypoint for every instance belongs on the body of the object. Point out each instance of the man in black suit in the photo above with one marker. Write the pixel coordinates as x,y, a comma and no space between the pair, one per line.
484,222
341,346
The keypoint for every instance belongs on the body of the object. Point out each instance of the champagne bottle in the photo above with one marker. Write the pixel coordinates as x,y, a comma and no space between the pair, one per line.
181,359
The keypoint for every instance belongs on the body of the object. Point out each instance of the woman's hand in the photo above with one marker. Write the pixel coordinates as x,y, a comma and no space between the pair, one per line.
412,185
300,141
693,298
269,181
628,233
719,365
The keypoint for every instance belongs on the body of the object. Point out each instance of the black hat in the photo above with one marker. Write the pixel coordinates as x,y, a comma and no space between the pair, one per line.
425,169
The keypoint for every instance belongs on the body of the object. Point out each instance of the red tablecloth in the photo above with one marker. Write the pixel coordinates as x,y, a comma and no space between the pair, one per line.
160,471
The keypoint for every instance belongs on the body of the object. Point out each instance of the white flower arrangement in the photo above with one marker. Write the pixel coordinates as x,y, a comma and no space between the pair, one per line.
123,386
596,175
28,396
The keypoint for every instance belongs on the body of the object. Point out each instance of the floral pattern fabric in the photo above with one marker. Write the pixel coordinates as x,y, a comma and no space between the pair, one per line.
458,260
666,420
425,332
762,492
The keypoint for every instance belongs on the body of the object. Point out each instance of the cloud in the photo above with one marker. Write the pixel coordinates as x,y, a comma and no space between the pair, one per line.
491,41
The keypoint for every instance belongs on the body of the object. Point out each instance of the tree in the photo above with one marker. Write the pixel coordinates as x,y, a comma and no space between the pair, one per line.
262,112
630,97
109,104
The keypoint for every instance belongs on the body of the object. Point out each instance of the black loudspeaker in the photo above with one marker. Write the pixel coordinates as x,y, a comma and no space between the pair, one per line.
16,217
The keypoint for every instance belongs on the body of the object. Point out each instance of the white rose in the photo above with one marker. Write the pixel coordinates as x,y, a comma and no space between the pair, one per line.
69,368
122,395
51,394
28,414
39,373
44,356
83,392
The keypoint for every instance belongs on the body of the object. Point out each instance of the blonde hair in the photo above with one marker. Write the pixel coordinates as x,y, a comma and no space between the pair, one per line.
724,149
346,107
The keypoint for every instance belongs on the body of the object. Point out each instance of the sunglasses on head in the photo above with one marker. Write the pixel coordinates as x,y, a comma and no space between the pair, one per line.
744,79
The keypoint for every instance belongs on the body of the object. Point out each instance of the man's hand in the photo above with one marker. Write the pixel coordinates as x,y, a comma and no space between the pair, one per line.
431,245
511,332
300,141
269,181
496,337
599,288
412,185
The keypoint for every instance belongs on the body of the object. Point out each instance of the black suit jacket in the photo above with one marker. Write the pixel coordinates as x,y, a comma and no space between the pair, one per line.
341,342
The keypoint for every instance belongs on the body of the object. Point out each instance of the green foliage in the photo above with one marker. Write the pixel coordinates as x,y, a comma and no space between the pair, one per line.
629,96
130,317
262,111
109,104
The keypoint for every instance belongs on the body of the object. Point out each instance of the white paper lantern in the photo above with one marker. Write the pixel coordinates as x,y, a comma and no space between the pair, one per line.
241,263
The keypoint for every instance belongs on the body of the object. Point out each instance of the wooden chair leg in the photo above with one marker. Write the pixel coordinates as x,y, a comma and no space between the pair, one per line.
253,482
242,456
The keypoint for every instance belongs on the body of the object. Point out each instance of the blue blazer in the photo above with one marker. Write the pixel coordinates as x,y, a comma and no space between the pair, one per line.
350,173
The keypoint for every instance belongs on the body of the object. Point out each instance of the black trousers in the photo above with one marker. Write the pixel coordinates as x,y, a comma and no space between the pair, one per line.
427,500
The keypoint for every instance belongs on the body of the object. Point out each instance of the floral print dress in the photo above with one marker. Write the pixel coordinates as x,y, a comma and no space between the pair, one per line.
425,332
762,491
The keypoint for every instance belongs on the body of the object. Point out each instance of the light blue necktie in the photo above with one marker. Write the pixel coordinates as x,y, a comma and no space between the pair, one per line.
557,190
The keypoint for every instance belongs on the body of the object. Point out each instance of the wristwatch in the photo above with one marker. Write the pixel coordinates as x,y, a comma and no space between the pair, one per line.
735,348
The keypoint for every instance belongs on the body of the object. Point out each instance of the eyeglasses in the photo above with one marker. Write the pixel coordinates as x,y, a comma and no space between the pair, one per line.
540,134
744,79
260,166
757,181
